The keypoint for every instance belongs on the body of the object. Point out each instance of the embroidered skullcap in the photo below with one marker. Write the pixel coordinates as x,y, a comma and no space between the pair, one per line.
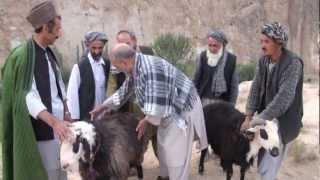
42,14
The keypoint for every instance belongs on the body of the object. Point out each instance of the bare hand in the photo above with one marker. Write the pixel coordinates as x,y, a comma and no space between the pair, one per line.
246,123
61,129
256,121
141,127
99,110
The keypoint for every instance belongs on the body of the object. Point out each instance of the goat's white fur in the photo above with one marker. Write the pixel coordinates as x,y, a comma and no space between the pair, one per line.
271,127
68,157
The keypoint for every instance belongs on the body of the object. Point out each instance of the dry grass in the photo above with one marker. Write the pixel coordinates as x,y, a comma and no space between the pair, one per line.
301,152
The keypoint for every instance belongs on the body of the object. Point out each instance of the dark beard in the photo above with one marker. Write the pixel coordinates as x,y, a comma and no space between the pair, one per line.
96,57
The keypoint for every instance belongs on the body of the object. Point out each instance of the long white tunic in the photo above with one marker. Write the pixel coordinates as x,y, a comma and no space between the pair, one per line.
74,84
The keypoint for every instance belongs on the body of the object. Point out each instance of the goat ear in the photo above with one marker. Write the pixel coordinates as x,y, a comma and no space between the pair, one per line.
96,147
76,144
263,134
86,148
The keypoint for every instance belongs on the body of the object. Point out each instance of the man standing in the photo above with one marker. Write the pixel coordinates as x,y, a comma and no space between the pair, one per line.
34,103
215,76
89,78
276,92
168,99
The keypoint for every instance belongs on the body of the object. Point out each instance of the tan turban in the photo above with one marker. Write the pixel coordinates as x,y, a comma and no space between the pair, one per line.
42,14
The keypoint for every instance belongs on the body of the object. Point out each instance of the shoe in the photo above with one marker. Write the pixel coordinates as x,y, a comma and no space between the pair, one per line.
163,178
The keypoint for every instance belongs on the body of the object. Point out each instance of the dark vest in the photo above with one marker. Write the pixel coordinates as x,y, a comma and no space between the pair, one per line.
291,121
205,74
87,86
42,130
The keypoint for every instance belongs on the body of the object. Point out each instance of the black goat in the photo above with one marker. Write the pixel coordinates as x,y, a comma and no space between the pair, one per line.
223,124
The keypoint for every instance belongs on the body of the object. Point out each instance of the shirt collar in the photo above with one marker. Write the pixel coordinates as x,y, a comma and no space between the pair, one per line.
92,61
39,45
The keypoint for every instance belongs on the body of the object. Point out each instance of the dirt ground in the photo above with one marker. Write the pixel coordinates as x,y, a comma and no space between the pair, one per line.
302,162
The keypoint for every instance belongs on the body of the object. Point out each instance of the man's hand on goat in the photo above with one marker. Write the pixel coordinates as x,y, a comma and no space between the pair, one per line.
141,127
246,123
99,111
61,129
256,121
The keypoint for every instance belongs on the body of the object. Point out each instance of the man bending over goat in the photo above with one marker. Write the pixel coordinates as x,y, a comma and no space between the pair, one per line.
168,99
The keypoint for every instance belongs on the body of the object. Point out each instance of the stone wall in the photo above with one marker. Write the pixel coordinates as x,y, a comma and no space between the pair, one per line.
240,19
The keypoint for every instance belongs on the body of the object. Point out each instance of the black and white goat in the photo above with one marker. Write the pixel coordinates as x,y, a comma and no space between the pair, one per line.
104,149
223,123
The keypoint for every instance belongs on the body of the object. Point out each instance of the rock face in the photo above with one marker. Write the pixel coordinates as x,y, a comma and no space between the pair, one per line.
240,19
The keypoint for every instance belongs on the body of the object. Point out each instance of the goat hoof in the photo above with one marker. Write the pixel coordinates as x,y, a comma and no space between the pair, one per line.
163,178
201,170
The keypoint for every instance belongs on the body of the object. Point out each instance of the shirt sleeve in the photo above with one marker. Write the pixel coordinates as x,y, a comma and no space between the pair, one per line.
287,91
33,101
252,102
154,120
121,96
73,93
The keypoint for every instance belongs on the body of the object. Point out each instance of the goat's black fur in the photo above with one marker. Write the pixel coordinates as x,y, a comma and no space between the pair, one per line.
117,149
223,123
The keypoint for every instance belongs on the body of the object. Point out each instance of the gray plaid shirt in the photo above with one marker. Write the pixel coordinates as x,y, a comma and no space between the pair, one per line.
161,90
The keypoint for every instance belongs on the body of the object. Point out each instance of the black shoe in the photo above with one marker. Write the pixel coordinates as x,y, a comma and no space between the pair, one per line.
163,178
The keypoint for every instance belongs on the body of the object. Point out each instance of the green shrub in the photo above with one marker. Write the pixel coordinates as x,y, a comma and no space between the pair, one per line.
246,71
177,49
0,90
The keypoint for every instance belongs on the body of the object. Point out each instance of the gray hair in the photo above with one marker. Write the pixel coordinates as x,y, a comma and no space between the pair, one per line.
123,52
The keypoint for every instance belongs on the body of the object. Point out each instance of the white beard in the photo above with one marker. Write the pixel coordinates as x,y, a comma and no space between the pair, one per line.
213,59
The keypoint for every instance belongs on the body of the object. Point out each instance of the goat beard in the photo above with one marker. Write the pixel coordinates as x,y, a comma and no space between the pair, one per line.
87,171
93,174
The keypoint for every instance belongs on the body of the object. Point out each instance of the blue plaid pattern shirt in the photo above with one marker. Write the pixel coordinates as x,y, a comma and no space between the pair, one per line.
160,89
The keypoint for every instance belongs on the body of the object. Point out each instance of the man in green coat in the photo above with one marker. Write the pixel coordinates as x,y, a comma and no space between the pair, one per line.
33,103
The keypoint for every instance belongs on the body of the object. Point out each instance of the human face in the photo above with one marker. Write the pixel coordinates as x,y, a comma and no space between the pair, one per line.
269,46
96,48
53,33
125,38
213,45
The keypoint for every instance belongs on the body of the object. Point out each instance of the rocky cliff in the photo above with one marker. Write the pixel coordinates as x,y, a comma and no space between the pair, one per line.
240,19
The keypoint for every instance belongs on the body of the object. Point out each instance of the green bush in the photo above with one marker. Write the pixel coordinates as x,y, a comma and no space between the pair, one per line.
177,49
0,90
246,71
